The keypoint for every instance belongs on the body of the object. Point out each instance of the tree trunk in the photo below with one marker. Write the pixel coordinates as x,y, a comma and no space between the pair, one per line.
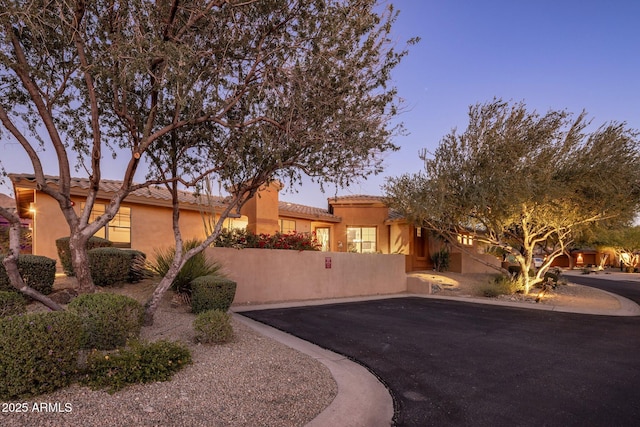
152,304
80,262
11,266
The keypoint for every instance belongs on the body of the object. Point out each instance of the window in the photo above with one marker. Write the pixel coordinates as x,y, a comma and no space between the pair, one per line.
465,239
322,236
361,239
118,231
287,225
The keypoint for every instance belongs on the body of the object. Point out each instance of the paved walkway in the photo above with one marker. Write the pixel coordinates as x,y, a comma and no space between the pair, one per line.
362,400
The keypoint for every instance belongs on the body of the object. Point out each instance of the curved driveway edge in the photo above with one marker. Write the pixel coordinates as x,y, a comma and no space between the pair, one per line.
627,307
362,400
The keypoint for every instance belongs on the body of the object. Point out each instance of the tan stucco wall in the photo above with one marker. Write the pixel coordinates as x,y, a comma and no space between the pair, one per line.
361,216
262,210
463,263
279,275
150,226
48,225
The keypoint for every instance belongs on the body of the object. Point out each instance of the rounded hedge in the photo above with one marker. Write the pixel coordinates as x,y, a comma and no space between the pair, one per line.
38,272
213,326
11,303
38,353
212,293
109,265
108,320
64,252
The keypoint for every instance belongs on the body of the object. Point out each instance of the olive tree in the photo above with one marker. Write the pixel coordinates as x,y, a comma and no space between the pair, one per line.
241,91
520,181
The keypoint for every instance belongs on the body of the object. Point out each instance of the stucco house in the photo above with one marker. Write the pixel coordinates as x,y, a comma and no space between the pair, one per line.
355,223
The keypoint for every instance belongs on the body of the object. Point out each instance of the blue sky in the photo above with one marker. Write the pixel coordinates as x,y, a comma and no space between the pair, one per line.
562,54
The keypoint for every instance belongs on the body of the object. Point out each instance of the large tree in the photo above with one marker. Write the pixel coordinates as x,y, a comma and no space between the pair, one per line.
522,181
242,91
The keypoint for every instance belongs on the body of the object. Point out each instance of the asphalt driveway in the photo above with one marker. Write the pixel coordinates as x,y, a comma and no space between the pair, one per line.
456,363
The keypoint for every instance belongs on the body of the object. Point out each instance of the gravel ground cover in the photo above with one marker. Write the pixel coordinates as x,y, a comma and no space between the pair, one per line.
252,381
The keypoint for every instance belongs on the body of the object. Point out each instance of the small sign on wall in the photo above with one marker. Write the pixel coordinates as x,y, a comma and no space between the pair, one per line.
327,262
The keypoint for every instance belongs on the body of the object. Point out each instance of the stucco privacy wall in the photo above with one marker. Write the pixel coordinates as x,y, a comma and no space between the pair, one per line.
265,276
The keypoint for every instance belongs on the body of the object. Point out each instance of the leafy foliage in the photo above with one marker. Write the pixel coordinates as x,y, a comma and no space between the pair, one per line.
520,180
137,363
197,266
213,327
38,353
501,285
137,266
64,252
11,304
109,265
244,92
212,293
441,260
108,320
38,272
25,239
240,238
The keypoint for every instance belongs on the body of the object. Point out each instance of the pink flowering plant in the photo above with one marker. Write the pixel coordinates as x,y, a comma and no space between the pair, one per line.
245,239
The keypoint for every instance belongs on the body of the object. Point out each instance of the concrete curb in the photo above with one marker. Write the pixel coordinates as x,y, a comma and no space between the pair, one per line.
362,400
627,307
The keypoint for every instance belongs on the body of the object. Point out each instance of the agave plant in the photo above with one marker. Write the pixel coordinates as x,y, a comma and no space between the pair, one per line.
196,266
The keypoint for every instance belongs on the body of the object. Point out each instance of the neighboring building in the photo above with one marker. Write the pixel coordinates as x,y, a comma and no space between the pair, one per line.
350,224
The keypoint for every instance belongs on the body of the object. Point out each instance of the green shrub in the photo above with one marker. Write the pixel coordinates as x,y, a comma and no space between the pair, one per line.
213,326
500,285
108,266
137,265
441,260
293,240
64,253
138,363
212,293
108,320
38,353
196,266
11,304
38,272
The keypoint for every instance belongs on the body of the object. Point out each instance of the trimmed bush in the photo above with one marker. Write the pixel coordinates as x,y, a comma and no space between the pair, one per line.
500,285
108,320
11,304
139,363
38,272
137,266
212,293
38,353
108,266
213,326
64,253
196,266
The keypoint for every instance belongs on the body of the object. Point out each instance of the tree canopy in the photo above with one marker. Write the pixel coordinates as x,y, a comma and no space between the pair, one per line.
240,91
522,181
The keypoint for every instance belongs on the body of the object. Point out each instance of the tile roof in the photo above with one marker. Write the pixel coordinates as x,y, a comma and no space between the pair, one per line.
155,192
356,198
7,202
309,212
159,193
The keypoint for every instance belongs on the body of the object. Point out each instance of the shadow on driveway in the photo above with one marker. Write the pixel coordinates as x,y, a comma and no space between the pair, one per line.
455,363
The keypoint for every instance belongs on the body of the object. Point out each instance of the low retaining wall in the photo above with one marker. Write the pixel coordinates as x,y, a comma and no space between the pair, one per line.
265,276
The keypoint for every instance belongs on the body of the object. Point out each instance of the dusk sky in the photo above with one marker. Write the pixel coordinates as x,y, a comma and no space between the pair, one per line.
561,54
